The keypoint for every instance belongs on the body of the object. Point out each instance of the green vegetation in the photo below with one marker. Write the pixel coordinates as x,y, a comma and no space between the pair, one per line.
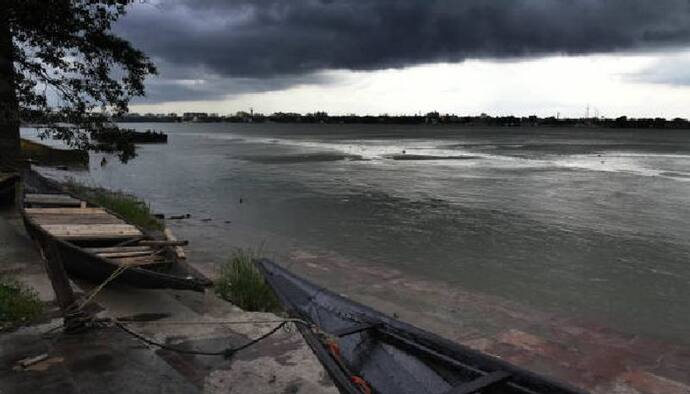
242,284
19,304
129,207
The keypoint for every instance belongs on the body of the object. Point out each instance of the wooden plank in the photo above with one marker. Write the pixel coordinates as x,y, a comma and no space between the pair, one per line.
135,261
120,249
126,254
89,231
98,228
51,199
49,195
65,211
178,249
164,243
77,219
54,203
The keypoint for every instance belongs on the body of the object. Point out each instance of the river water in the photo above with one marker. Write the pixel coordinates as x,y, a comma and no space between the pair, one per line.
592,224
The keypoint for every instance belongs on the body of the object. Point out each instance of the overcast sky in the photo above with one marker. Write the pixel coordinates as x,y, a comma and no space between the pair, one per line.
516,57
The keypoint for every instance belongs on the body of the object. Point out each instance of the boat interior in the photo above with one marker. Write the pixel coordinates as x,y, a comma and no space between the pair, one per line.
95,230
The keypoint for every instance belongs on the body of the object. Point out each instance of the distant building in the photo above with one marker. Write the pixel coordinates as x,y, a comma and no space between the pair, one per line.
194,116
433,117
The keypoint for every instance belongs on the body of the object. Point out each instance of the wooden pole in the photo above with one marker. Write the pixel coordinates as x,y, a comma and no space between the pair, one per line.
58,278
74,321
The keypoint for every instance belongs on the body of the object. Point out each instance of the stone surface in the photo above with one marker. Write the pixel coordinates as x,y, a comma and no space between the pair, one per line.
107,360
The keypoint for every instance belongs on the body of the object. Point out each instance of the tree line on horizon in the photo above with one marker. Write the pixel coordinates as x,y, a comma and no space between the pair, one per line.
622,122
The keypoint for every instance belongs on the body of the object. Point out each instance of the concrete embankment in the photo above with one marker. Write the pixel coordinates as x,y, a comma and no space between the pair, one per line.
109,360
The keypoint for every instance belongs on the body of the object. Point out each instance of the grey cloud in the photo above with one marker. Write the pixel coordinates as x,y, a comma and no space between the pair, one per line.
671,71
195,83
269,38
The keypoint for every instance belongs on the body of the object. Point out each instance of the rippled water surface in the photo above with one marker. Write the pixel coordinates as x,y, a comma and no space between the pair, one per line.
591,223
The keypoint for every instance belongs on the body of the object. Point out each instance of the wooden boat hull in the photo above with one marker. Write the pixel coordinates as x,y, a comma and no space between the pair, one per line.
392,356
8,189
80,263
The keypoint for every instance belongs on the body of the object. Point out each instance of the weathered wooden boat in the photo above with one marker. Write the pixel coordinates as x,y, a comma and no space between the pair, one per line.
365,351
7,188
93,242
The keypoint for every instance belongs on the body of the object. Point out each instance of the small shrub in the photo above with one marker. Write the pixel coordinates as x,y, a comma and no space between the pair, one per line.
242,284
19,304
129,207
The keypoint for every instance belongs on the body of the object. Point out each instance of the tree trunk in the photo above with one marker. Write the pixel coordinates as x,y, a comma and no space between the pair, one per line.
9,107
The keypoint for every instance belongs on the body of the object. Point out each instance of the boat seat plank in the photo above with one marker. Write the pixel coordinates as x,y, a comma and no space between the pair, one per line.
66,211
91,231
137,261
483,383
77,219
117,249
52,199
126,254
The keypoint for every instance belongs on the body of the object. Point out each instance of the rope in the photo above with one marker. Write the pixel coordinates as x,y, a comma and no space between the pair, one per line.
329,341
76,320
331,344
224,322
98,288
227,352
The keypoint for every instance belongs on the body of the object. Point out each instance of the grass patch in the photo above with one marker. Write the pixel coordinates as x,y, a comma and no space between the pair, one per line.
242,284
19,304
129,207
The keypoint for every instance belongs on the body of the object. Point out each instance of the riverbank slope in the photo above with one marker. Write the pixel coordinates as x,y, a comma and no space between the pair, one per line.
109,360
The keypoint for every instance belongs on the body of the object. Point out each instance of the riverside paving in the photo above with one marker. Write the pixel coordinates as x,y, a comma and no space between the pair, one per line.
107,360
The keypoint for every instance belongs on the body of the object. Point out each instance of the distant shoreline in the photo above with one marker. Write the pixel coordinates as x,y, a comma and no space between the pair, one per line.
432,118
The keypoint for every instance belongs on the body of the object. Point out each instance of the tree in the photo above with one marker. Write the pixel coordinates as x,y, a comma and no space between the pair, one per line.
61,66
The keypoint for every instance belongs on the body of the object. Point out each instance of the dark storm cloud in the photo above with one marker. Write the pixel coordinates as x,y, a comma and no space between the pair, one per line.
268,38
195,83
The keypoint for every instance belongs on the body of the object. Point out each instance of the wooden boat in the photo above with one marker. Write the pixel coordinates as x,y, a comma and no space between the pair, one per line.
365,351
7,188
94,242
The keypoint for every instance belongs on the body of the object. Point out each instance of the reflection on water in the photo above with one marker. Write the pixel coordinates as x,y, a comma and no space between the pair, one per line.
590,223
